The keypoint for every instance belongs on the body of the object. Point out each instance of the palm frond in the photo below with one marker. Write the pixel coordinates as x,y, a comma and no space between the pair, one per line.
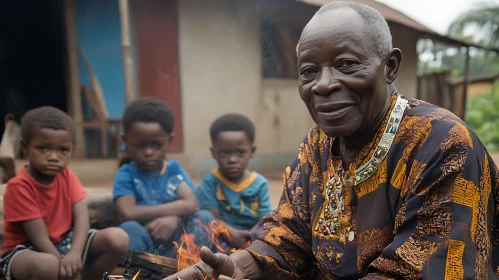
486,22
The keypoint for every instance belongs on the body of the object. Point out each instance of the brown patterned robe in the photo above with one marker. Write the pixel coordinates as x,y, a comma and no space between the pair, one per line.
430,211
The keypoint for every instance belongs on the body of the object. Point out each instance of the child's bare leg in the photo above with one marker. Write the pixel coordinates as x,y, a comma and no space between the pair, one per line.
31,265
108,247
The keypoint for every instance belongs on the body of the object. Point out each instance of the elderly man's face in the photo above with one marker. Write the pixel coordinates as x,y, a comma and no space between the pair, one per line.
343,81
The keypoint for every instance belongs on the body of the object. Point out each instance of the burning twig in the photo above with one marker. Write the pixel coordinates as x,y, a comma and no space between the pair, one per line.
136,275
152,267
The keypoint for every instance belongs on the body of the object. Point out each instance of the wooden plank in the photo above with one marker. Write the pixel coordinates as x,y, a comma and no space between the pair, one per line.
7,169
96,86
72,78
11,138
125,44
151,266
93,100
466,83
155,25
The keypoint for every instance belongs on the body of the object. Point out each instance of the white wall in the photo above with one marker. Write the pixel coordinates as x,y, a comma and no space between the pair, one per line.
219,43
283,119
220,72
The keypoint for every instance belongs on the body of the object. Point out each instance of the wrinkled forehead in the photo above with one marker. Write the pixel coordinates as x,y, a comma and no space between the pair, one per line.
341,29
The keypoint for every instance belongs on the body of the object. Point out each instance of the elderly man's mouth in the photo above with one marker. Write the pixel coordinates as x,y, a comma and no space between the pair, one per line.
334,114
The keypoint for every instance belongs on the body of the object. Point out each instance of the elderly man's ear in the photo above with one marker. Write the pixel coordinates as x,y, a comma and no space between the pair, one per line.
394,58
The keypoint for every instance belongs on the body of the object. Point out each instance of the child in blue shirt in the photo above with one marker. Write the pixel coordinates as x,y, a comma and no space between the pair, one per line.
234,195
154,197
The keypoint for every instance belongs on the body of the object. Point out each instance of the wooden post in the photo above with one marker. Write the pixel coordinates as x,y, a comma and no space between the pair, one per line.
72,77
466,82
125,43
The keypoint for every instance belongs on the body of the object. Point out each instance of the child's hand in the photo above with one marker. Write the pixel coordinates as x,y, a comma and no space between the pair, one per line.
238,238
70,266
163,228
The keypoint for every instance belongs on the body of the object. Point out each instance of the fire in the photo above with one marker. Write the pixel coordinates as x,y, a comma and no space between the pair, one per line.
136,275
216,231
188,252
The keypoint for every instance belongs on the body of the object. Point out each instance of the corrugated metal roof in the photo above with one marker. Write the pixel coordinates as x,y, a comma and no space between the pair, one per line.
395,16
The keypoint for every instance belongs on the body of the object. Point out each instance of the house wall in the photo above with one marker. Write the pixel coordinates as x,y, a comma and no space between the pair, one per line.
98,31
220,72
156,56
406,40
479,89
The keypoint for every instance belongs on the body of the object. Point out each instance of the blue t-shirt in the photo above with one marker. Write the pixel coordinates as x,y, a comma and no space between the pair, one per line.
241,205
150,188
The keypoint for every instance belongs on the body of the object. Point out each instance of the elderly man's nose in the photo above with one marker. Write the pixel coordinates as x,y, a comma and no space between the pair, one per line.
327,83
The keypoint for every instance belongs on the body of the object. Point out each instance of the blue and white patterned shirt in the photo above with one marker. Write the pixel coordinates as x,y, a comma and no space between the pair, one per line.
150,188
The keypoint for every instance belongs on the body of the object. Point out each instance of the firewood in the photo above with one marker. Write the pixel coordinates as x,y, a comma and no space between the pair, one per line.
151,266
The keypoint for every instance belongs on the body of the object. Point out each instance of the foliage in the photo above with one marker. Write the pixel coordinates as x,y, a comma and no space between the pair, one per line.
480,25
485,22
481,63
482,115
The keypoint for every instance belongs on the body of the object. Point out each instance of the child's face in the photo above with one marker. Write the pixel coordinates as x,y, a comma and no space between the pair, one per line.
147,144
49,150
232,150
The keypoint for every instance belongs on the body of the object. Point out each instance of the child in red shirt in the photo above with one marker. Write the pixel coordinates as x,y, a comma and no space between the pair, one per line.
47,234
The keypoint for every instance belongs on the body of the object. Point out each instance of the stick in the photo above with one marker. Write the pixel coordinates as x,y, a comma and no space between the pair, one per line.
125,44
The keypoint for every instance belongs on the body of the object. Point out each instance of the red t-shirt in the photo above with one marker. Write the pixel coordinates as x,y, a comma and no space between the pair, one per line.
25,199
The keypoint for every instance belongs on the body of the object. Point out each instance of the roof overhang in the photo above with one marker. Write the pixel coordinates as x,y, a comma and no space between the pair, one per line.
396,17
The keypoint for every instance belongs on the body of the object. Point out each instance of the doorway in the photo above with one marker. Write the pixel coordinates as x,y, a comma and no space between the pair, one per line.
32,57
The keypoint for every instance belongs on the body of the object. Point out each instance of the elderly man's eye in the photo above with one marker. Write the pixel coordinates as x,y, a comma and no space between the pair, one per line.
308,74
309,71
347,63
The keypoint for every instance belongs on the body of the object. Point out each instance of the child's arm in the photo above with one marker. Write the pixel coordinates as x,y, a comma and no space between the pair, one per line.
36,231
186,205
80,228
71,262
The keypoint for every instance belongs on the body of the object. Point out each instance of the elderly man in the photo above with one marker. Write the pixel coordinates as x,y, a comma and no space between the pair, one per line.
382,187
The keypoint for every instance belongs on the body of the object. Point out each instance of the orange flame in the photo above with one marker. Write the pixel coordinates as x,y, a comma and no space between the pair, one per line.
188,252
136,275
216,231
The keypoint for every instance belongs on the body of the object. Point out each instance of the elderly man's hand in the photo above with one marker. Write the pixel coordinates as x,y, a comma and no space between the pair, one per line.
218,265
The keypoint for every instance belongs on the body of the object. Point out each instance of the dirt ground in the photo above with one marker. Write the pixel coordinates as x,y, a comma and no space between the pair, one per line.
100,174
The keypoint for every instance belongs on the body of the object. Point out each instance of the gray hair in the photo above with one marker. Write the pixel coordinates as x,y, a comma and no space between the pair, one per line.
375,24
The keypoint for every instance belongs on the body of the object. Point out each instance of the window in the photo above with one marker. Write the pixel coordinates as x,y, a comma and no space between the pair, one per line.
279,50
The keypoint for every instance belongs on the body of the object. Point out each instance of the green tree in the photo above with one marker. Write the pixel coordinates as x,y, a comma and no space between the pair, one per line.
484,21
482,115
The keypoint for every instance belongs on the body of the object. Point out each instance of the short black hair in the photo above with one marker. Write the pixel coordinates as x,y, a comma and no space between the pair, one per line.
149,110
46,117
232,122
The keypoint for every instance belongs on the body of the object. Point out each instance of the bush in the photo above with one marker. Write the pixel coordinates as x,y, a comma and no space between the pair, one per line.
482,115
